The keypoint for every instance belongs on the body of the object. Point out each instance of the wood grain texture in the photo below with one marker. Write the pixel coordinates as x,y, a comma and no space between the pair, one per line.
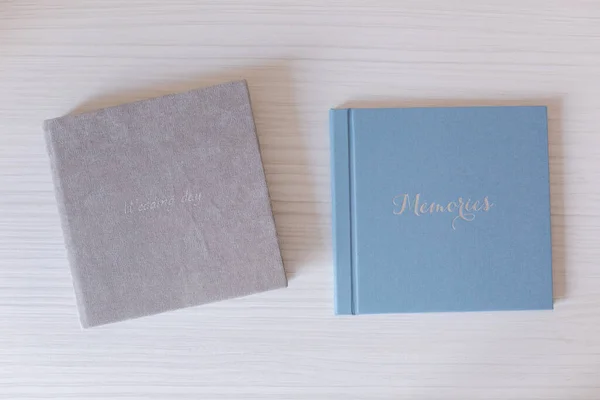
300,58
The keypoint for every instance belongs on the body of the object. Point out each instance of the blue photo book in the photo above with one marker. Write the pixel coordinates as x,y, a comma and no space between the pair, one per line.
441,209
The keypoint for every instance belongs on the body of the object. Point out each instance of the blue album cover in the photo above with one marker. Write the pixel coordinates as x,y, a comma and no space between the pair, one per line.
441,209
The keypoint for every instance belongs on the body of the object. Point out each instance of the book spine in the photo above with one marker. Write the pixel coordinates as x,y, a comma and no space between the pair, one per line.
66,228
341,209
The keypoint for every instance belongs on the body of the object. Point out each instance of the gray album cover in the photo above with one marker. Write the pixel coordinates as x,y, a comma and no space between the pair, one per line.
164,204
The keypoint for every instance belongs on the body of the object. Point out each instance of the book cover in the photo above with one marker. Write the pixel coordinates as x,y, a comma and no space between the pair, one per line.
441,209
164,204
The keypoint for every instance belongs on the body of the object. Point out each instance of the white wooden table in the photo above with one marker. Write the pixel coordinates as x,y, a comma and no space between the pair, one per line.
300,58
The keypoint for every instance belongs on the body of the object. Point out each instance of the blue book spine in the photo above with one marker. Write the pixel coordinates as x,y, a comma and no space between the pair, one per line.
342,210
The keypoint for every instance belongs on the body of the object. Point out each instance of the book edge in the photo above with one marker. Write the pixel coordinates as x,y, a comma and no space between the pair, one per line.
434,107
340,209
547,148
142,101
284,281
65,225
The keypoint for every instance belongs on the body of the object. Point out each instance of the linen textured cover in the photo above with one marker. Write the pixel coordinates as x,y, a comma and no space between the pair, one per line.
164,204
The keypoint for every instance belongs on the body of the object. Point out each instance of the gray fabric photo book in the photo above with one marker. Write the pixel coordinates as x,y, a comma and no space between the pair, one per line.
164,204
